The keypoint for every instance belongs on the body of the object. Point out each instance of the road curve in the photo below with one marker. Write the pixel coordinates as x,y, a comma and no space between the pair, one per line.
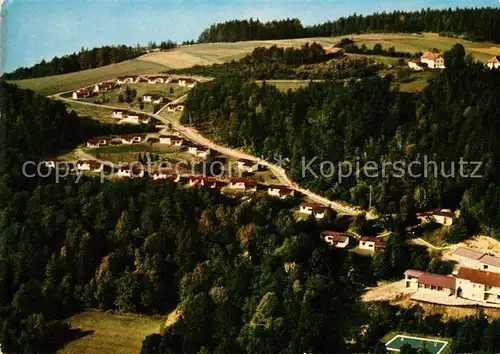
196,137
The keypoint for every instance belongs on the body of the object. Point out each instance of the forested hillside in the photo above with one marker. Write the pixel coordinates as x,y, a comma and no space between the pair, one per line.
83,60
479,24
454,117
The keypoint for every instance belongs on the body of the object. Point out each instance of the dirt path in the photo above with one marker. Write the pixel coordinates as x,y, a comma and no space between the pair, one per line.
196,137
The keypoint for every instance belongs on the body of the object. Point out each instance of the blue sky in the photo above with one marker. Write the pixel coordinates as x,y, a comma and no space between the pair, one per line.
42,29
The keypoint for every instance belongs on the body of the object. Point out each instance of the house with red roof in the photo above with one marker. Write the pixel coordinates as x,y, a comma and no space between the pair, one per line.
104,86
81,93
433,60
243,184
318,210
372,243
129,79
187,82
98,141
416,65
478,285
417,279
493,63
280,191
133,138
175,107
247,165
443,217
335,239
158,79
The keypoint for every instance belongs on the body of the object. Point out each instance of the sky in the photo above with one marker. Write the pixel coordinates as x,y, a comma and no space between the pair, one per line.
32,30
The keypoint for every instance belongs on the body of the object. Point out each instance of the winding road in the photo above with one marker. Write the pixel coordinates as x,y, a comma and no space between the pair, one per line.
195,136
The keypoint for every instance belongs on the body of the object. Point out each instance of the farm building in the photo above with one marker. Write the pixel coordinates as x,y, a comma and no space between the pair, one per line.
416,65
493,63
433,60
98,141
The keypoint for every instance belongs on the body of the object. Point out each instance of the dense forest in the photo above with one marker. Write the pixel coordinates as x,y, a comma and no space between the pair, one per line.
83,60
478,24
369,120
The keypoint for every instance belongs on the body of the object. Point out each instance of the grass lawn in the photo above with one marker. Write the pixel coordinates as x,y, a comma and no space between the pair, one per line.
266,177
66,82
285,85
130,153
101,114
433,349
106,333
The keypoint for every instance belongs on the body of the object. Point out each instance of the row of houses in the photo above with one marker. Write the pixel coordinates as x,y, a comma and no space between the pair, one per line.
124,139
476,259
156,79
340,240
433,60
131,79
472,284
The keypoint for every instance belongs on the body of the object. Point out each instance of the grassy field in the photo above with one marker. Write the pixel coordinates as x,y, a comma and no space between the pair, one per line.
104,333
285,85
130,153
101,114
66,82
205,54
171,91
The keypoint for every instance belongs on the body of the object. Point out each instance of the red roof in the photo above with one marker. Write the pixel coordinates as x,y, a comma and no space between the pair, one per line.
416,61
379,242
468,253
414,273
495,59
431,56
335,236
246,162
438,213
479,276
246,181
443,281
310,205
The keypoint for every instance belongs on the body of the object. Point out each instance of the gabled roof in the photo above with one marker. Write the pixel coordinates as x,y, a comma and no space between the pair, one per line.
246,181
468,253
495,59
490,260
448,214
479,276
335,236
431,56
246,162
379,242
443,281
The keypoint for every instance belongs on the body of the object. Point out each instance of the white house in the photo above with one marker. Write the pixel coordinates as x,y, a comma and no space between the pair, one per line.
126,79
52,162
335,239
280,191
478,285
89,165
317,210
81,93
476,259
158,79
442,217
133,138
419,280
176,107
372,243
433,60
247,165
416,65
132,170
98,141
187,82
103,86
119,113
244,184
152,98
199,151
493,63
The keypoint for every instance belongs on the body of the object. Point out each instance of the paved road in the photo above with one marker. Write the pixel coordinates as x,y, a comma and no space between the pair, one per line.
196,137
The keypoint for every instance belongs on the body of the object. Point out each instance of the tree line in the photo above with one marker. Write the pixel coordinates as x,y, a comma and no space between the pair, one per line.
83,60
477,24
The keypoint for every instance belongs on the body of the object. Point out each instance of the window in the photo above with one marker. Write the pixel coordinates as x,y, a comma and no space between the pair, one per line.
485,266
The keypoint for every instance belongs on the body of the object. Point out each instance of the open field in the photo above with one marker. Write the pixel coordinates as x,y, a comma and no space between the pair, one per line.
105,333
130,153
66,82
171,91
101,114
210,53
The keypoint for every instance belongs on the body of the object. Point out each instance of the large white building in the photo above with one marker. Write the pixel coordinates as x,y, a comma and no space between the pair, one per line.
433,60
476,259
